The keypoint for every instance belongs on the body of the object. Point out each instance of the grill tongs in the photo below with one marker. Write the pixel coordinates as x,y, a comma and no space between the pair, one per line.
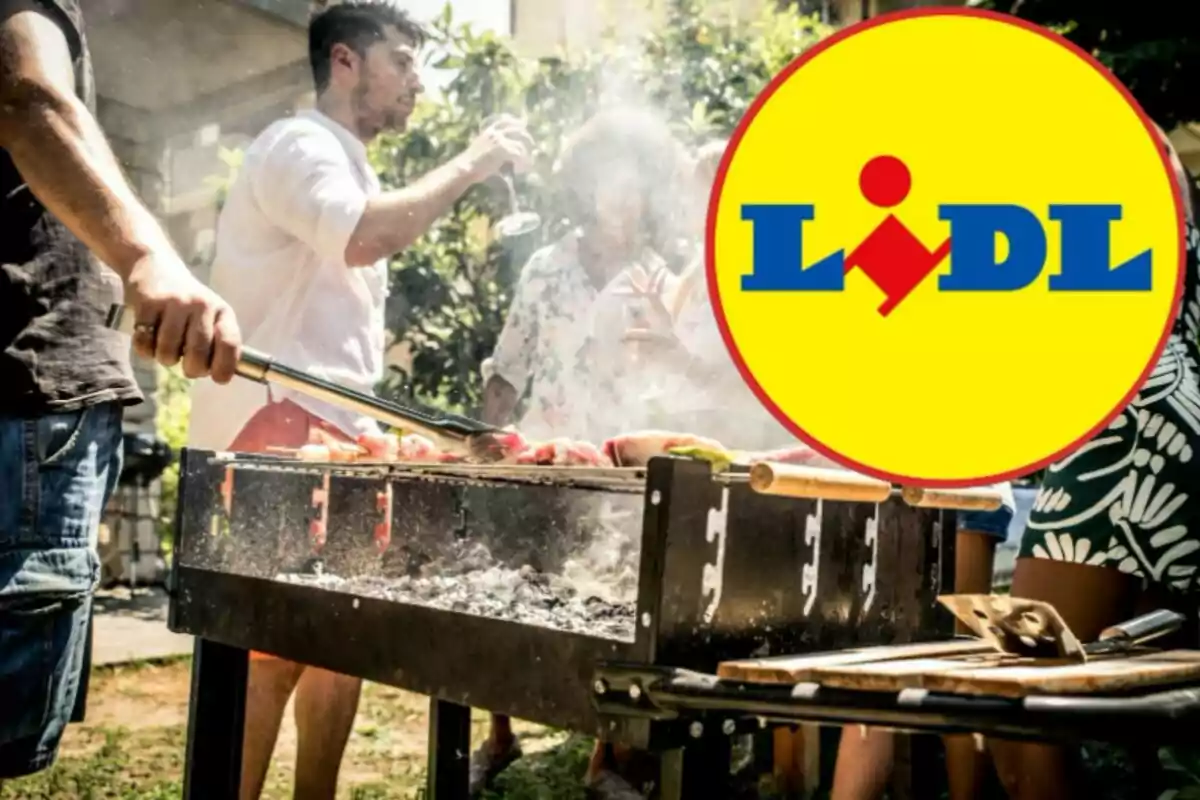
452,432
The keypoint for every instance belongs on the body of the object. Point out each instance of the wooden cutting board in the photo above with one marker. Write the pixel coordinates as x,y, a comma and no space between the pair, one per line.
795,669
1095,677
909,673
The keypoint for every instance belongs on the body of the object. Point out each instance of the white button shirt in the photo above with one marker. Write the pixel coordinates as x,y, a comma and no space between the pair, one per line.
280,263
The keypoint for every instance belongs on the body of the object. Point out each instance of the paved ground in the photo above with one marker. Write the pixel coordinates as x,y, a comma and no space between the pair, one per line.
131,625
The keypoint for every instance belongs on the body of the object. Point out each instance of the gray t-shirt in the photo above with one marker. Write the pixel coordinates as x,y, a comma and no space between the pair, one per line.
56,353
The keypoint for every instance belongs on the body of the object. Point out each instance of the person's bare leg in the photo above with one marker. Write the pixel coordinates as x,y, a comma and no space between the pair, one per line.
495,755
966,765
1089,599
501,736
864,763
326,703
268,687
599,761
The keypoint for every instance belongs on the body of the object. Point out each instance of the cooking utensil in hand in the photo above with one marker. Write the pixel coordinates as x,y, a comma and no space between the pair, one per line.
516,222
1034,629
453,432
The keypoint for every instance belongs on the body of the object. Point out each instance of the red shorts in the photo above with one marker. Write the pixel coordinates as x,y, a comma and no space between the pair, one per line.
282,424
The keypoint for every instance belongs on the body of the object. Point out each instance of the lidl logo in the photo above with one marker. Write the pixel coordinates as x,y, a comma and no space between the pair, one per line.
945,247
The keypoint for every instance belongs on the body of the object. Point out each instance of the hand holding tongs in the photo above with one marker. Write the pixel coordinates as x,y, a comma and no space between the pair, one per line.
453,431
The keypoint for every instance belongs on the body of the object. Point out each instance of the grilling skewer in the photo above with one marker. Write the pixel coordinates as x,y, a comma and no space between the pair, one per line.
454,433
795,480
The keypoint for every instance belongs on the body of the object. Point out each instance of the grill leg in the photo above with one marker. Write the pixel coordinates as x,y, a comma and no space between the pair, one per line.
918,771
449,750
213,768
699,770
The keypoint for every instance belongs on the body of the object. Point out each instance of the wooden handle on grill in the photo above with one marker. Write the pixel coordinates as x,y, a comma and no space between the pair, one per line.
982,498
793,480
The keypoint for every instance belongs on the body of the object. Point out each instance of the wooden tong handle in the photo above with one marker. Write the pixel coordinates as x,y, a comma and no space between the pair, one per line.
793,480
982,498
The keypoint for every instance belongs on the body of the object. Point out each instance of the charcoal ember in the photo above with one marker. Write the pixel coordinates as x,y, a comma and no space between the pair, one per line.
533,577
592,590
460,558
598,608
523,596
560,587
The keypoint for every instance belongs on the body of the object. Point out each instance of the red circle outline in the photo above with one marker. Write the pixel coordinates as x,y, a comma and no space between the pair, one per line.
719,183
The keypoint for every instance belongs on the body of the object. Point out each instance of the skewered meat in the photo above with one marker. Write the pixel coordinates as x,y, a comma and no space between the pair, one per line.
636,449
505,445
586,454
313,452
508,446
414,447
562,452
339,449
380,446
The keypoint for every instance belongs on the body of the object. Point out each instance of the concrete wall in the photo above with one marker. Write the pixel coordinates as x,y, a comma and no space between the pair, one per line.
543,27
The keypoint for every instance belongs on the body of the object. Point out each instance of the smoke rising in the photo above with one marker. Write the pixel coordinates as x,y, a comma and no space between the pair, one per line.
680,375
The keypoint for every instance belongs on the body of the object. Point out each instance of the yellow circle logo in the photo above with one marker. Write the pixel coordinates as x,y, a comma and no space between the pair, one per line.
945,247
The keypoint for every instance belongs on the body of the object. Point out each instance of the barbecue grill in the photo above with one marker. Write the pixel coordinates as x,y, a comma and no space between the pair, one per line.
452,580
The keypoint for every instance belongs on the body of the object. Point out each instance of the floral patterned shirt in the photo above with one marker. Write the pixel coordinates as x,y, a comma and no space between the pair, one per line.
557,318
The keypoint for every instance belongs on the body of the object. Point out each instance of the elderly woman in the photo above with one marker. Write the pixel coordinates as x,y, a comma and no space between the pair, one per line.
616,177
560,344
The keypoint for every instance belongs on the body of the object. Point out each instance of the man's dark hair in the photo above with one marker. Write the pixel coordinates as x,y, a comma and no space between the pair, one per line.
357,24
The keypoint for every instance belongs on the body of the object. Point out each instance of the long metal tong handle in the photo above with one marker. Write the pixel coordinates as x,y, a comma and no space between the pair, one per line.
261,368
1145,628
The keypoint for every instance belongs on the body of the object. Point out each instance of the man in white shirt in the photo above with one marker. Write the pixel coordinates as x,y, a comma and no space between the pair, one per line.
301,255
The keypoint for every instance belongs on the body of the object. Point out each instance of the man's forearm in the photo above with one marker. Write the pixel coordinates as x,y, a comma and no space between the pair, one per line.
394,220
62,154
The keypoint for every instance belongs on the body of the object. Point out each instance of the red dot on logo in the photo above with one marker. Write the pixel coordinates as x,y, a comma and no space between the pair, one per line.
885,181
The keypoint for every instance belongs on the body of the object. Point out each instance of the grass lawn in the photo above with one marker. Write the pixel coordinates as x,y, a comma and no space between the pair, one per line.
131,747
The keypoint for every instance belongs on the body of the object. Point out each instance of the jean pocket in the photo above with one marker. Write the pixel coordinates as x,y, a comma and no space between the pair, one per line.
28,627
56,434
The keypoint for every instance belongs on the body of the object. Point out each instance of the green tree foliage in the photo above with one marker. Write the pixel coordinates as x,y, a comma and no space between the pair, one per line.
702,67
1152,48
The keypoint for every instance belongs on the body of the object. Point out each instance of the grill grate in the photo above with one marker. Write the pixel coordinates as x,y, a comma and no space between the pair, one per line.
628,480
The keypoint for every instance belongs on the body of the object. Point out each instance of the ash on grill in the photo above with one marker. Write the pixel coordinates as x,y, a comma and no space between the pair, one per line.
595,594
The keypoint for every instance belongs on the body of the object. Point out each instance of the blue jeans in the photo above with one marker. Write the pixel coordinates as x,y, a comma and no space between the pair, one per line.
56,474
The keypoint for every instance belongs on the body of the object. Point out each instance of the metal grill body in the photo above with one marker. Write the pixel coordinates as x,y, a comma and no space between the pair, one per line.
723,573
